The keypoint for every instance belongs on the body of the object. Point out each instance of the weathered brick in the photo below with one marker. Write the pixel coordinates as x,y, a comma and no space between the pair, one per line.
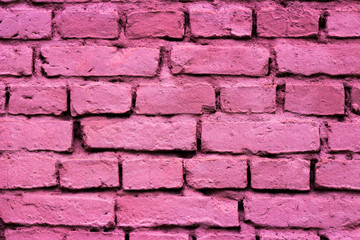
155,24
15,60
341,234
152,173
274,234
355,97
79,23
31,99
292,174
80,235
97,98
2,98
317,99
59,1
176,210
156,235
310,58
34,233
222,60
25,23
242,99
343,23
171,99
84,61
227,21
141,133
43,133
287,22
52,209
212,171
225,235
311,210
344,137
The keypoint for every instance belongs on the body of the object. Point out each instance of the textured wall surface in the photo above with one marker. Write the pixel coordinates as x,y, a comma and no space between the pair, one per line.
179,120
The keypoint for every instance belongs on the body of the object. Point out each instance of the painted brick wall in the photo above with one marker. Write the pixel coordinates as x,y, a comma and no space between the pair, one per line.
179,120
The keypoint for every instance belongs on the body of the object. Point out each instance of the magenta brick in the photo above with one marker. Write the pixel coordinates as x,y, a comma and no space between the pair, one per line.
35,233
2,98
220,235
243,99
344,137
310,58
31,99
311,211
80,235
156,235
15,60
84,61
52,209
338,174
25,23
176,210
40,133
291,174
342,234
146,172
171,99
222,60
287,22
27,170
317,99
79,23
155,24
355,97
343,23
97,98
212,171
141,133
274,234
227,21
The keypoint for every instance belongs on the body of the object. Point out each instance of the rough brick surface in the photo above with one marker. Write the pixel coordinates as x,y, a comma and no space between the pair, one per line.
15,60
344,137
288,234
34,233
155,235
80,235
342,234
343,23
355,97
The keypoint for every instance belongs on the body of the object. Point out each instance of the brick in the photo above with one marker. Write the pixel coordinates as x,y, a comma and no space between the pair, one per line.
338,174
15,60
27,170
40,133
342,23
80,235
311,211
152,173
59,1
344,137
155,24
84,61
310,58
317,99
156,235
176,210
51,209
141,133
171,99
287,22
25,23
84,173
2,98
342,234
227,236
221,60
32,99
243,99
291,174
35,233
274,234
216,172
227,21
79,23
98,98
355,97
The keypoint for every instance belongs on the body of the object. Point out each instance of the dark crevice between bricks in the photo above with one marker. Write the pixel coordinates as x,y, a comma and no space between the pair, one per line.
33,62
324,145
254,24
280,97
192,237
161,60
323,20
347,103
241,210
218,99
272,65
133,99
78,134
58,166
323,237
187,27
2,230
127,235
198,135
120,175
248,173
312,173
122,23
7,97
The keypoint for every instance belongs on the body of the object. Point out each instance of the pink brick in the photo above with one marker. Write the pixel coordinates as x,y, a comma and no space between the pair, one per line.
79,23
292,174
31,99
155,24
243,99
40,133
35,233
176,210
355,97
15,60
97,98
227,21
141,133
342,234
171,99
317,99
338,174
343,23
311,210
344,137
27,170
152,173
222,60
212,171
84,173
59,1
25,23
310,58
52,209
84,61
224,235
287,22
81,235
156,235
274,234
2,98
